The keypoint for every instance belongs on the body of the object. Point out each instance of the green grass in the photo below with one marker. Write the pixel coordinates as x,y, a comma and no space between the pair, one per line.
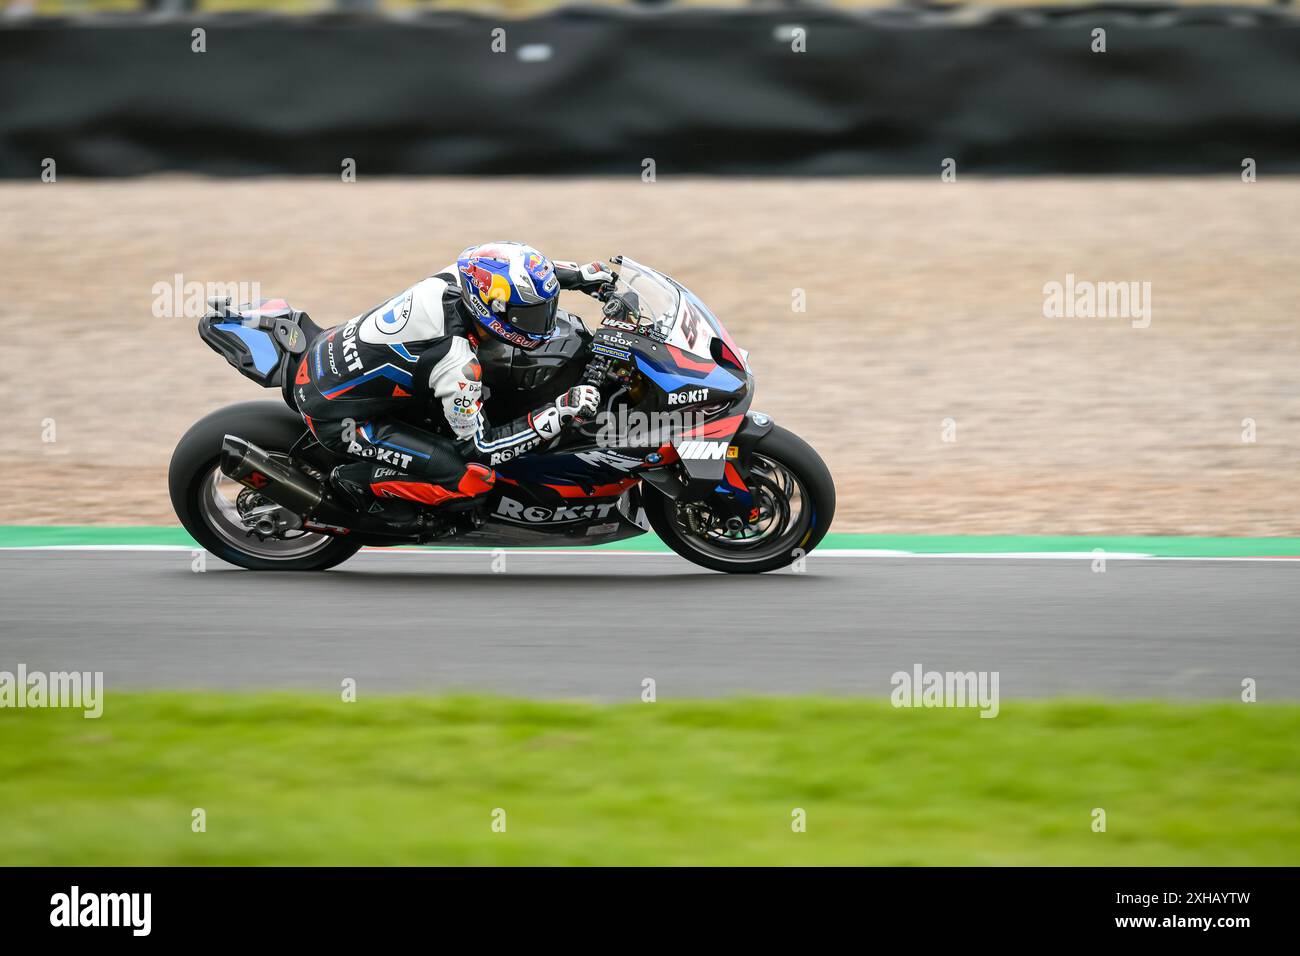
299,779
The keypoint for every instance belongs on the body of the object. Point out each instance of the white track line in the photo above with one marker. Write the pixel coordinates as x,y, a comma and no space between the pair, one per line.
827,553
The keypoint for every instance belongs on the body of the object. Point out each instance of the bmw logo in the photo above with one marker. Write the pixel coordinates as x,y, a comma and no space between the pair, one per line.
654,458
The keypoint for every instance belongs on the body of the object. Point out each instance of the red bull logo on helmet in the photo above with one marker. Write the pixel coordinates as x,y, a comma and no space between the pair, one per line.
476,274
492,286
539,267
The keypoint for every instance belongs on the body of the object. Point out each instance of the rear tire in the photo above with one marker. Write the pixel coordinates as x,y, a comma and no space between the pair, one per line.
273,428
817,490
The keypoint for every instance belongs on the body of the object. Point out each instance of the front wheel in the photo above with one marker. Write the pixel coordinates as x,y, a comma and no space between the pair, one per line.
211,506
794,501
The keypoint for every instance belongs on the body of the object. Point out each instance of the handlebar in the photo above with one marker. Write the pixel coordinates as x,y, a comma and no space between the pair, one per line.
596,370
604,292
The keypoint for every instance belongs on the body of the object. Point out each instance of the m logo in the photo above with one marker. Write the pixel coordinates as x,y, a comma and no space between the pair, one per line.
702,450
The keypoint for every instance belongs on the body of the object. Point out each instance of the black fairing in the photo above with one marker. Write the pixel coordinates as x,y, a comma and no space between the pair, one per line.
518,380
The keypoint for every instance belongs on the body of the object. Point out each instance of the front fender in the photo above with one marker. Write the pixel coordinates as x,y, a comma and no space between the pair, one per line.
750,433
720,450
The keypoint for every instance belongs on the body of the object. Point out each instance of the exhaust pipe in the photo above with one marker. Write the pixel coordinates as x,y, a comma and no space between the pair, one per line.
291,489
254,468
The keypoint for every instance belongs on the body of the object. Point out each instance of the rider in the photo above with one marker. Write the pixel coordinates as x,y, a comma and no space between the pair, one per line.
361,383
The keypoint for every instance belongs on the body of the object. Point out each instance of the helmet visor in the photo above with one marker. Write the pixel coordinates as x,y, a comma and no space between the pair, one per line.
536,319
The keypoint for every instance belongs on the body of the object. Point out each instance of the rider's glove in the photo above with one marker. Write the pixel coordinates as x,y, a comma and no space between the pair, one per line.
578,404
588,278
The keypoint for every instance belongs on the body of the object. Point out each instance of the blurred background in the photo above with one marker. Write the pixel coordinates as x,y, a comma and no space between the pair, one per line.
63,7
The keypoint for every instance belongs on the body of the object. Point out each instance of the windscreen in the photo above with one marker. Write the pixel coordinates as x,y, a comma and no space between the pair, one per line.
678,316
657,300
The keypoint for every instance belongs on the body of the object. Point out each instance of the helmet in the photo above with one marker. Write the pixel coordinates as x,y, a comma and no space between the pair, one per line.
512,290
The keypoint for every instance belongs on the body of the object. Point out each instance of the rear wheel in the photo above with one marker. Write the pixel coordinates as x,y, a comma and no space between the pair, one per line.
212,507
794,502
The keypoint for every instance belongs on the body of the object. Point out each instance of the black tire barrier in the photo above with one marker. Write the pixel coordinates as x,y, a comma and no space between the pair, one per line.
582,92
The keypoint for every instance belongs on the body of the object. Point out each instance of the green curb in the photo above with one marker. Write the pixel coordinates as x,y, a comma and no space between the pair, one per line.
36,536
40,536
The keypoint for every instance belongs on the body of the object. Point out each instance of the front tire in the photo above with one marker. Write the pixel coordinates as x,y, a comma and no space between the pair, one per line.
196,485
792,470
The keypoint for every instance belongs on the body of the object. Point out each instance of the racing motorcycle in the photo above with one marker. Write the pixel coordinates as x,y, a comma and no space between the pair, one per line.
675,449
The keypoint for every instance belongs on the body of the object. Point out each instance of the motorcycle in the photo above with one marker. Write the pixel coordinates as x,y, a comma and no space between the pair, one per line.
675,448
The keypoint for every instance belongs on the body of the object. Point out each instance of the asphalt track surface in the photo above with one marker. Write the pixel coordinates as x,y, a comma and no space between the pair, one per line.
595,625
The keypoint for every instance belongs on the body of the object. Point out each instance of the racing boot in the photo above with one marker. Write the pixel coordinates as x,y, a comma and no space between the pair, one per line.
350,485
395,496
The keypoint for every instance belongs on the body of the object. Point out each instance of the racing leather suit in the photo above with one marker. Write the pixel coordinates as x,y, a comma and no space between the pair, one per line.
367,387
